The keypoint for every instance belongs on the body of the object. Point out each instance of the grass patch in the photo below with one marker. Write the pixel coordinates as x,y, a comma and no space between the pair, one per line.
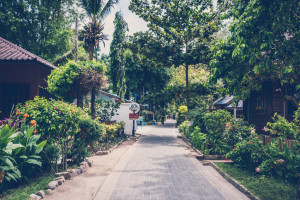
266,188
23,191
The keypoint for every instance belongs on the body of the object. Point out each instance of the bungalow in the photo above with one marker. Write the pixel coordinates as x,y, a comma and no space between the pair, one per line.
22,76
273,98
228,104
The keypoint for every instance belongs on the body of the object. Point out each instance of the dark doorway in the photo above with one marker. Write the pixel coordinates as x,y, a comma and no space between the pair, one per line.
11,95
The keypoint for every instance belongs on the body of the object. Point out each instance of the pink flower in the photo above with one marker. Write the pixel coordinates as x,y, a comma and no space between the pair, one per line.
19,113
257,169
226,159
265,129
228,125
73,111
281,160
59,112
55,107
250,142
234,147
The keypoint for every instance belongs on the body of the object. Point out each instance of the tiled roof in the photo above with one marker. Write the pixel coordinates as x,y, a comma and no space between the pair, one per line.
11,52
224,101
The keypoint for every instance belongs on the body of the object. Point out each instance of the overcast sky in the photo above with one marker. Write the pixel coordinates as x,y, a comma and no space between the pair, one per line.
135,24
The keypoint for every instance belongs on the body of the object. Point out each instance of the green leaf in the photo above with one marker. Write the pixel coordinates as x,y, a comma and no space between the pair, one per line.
23,157
10,146
34,162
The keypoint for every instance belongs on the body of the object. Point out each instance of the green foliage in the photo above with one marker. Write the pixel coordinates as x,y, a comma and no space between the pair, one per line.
113,131
90,132
117,50
284,128
60,81
41,27
54,119
198,138
215,126
248,153
258,49
184,128
19,153
73,79
106,109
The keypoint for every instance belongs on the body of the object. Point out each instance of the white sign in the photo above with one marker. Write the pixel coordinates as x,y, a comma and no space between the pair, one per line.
134,107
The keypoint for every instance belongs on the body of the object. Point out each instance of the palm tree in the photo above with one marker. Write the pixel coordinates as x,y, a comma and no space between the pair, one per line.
97,10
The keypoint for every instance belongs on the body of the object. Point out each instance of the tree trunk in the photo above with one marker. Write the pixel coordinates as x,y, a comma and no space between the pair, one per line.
187,86
93,96
91,51
76,40
80,101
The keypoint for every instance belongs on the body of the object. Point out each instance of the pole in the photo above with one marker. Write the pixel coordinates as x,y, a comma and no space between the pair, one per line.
133,122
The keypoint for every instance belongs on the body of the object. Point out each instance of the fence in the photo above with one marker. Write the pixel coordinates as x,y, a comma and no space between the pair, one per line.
266,139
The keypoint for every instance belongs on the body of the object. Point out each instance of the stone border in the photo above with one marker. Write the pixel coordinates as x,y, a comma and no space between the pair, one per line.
232,181
61,177
236,184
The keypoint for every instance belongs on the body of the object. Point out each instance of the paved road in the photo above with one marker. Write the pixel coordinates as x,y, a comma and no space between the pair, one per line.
159,167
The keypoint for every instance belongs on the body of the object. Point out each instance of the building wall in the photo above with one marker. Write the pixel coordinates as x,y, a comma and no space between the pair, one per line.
21,76
123,116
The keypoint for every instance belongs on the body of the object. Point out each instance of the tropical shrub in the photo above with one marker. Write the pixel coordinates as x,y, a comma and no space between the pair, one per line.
248,153
113,131
19,153
215,123
196,117
89,133
283,128
182,114
106,109
235,131
198,138
56,121
283,163
184,128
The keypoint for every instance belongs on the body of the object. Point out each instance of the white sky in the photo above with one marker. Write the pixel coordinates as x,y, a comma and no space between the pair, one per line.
135,24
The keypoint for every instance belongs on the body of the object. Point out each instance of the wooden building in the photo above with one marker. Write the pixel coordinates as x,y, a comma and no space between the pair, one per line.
261,106
22,76
228,104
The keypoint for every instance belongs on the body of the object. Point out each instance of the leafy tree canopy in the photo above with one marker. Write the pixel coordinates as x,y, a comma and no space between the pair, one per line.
263,45
40,27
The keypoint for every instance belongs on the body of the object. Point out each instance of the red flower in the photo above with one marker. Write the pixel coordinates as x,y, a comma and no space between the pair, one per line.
59,112
226,159
55,107
73,111
250,142
234,147
19,113
26,105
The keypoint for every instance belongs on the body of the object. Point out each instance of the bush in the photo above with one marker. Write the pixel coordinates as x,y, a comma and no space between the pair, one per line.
113,131
197,138
19,153
184,128
284,164
56,121
196,117
90,132
284,128
249,153
182,114
215,123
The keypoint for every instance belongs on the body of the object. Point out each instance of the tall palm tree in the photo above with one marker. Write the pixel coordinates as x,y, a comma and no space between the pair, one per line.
97,10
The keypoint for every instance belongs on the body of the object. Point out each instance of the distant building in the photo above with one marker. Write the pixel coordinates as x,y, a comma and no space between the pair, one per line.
227,103
22,76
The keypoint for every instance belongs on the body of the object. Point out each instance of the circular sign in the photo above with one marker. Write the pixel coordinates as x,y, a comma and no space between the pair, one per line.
134,107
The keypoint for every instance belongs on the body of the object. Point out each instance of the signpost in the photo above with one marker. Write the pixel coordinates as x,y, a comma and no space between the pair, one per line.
134,107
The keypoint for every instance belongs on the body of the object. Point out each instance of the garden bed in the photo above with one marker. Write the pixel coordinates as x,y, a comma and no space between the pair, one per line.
23,191
262,186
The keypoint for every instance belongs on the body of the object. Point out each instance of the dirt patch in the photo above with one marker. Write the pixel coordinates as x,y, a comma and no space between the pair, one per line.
85,186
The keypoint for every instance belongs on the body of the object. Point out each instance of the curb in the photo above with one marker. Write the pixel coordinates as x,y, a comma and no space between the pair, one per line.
232,181
201,156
